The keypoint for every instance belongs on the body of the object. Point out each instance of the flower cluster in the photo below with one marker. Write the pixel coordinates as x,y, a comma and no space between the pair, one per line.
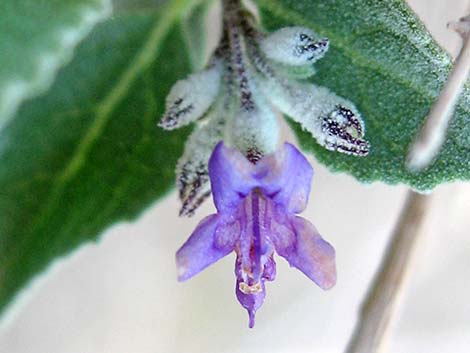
258,188
256,215
250,75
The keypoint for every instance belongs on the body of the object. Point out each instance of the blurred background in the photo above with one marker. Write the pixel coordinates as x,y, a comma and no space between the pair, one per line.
121,295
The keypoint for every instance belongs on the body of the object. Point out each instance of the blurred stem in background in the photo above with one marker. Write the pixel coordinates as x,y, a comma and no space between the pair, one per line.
384,295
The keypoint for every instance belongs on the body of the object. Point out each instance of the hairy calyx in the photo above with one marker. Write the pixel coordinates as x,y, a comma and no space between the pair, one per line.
251,76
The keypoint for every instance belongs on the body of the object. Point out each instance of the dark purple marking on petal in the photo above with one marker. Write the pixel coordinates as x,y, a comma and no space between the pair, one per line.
202,248
255,214
273,194
254,248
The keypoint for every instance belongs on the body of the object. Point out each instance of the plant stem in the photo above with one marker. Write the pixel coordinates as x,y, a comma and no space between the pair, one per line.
432,135
383,297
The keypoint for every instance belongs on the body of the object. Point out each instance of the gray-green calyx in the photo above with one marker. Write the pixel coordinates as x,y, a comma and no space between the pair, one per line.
249,77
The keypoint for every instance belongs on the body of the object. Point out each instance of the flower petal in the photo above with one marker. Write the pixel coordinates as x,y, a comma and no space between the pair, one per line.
250,298
204,247
231,177
304,248
285,177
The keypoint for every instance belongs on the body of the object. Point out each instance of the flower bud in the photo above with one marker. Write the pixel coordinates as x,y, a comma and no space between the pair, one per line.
333,121
189,99
294,46
192,177
255,132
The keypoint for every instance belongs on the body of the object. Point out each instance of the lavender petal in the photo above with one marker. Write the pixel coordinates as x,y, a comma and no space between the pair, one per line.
306,250
285,177
230,176
204,247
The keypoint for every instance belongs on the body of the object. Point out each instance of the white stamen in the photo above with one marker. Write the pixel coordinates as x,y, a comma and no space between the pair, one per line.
253,289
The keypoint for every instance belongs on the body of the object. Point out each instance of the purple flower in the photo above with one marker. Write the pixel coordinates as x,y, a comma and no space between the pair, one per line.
256,216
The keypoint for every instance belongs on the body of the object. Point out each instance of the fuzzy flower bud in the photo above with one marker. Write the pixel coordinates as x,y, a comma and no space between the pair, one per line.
255,132
333,121
189,99
232,100
192,177
294,46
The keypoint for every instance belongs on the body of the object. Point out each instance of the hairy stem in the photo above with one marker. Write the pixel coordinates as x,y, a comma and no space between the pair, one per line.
432,135
384,296
232,18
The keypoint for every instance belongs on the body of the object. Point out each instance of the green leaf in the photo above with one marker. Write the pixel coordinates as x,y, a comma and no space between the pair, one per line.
194,29
36,39
383,59
89,153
